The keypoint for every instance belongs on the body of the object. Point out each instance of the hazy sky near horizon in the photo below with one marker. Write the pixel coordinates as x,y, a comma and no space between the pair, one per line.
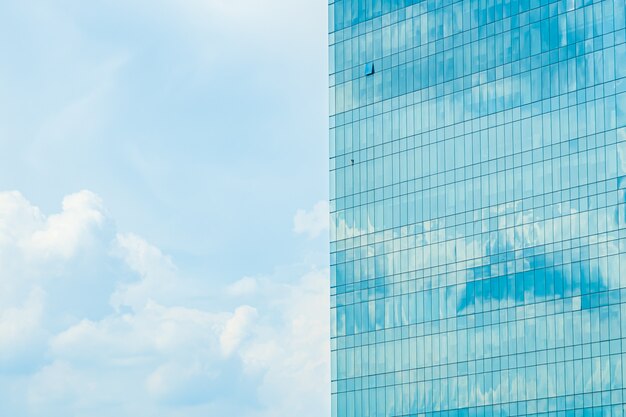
163,214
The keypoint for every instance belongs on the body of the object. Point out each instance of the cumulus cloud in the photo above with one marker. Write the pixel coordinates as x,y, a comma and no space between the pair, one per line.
245,286
58,255
26,230
157,273
236,329
148,350
293,350
312,222
20,326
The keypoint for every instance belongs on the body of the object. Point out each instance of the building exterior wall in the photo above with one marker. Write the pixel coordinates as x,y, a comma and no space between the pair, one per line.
478,218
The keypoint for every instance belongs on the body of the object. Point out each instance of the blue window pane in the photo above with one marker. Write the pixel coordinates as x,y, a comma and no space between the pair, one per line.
620,59
620,109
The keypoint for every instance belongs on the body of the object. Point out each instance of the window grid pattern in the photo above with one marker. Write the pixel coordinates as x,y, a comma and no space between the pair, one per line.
478,208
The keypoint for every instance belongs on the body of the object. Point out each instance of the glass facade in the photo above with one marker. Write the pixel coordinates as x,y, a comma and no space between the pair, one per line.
478,217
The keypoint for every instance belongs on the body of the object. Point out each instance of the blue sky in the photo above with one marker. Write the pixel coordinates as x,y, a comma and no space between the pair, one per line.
163,224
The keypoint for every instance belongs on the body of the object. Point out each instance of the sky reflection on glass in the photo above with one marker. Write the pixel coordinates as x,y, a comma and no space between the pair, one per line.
477,206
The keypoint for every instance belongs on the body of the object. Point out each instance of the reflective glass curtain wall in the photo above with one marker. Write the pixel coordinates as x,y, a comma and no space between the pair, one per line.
478,218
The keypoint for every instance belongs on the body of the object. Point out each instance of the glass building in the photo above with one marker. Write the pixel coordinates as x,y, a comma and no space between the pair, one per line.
478,218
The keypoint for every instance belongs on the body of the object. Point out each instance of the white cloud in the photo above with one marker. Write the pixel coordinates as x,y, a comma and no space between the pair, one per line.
245,286
237,328
20,326
65,233
158,275
294,352
312,222
49,252
25,229
56,384
263,358
18,218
